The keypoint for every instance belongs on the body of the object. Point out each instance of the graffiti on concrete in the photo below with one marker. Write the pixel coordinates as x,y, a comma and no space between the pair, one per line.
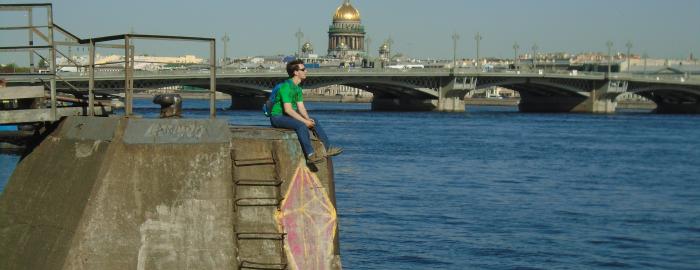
308,217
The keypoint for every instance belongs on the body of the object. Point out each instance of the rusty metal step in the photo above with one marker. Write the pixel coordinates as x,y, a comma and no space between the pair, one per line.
258,202
255,161
261,236
251,182
262,266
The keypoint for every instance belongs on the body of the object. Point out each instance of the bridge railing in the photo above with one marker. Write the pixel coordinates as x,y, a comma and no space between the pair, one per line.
662,78
667,78
464,71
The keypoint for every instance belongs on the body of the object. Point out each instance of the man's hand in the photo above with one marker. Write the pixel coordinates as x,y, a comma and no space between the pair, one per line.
304,117
310,123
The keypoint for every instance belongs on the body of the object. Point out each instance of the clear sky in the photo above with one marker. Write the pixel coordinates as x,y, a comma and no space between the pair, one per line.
662,28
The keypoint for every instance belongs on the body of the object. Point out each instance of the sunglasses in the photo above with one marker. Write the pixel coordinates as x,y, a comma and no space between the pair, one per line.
301,69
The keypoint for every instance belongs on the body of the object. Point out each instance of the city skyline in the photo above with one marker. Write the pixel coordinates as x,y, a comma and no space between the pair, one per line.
418,28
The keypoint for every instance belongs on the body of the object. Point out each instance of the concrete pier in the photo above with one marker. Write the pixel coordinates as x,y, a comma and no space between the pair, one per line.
126,193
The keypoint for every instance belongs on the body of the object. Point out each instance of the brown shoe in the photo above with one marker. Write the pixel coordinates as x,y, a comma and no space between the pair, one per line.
333,151
315,158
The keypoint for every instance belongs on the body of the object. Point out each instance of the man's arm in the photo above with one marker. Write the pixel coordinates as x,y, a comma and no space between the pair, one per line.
302,110
292,113
286,99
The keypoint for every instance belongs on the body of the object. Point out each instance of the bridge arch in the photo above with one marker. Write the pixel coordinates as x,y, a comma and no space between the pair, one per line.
382,87
535,87
671,98
547,94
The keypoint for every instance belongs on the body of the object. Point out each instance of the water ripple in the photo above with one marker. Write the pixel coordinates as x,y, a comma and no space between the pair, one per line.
497,189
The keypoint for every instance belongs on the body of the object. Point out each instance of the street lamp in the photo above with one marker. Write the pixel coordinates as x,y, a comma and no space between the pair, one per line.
645,56
455,37
609,44
629,47
515,53
225,39
299,36
534,55
389,42
477,37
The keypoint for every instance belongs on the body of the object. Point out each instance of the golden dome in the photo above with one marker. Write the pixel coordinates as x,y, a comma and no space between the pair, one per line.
384,48
307,47
346,12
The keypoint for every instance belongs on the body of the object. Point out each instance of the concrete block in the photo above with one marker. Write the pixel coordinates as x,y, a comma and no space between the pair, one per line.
118,193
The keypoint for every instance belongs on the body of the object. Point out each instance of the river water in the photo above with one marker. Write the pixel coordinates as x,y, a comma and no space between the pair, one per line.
497,189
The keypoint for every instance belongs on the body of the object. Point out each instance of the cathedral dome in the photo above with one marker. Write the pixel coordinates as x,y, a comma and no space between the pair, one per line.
307,47
346,12
384,48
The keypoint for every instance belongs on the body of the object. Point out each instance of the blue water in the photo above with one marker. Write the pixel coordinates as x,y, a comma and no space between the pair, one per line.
498,189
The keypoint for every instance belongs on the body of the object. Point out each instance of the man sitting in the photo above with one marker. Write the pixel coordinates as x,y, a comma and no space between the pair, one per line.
289,112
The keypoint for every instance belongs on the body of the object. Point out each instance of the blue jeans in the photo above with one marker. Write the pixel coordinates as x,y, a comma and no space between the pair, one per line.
302,131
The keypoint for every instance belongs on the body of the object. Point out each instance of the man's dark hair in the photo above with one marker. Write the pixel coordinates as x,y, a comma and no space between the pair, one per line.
293,66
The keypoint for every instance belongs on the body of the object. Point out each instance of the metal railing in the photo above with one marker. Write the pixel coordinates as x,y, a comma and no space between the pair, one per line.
31,48
129,65
127,71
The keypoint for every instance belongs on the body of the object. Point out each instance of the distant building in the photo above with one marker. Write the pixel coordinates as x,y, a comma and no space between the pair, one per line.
185,59
385,52
346,36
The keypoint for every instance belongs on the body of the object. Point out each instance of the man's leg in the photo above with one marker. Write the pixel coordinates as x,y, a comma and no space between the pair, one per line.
301,130
330,150
320,133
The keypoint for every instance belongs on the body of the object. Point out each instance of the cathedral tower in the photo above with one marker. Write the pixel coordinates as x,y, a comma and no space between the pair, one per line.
346,36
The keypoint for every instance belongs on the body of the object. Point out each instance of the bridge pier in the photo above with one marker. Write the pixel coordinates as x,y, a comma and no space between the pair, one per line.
451,104
247,102
597,104
451,98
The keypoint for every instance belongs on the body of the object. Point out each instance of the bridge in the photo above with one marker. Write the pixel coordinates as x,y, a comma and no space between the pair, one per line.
409,89
423,89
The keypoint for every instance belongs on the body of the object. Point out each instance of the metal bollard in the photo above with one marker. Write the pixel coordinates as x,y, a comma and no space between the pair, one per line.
170,105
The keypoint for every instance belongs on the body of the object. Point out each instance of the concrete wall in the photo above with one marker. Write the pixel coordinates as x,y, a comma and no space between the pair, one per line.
115,193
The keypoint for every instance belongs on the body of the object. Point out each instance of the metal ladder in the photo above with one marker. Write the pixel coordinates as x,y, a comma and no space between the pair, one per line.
245,240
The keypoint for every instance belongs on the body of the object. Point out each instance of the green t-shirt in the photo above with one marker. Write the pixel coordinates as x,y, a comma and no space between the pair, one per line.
288,93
